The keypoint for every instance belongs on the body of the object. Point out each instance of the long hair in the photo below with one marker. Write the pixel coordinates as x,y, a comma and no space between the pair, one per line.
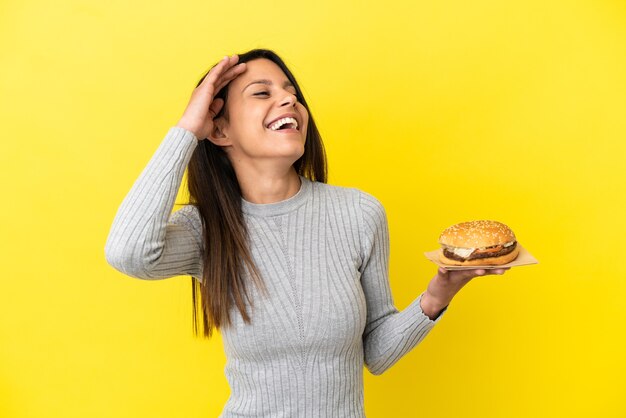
215,191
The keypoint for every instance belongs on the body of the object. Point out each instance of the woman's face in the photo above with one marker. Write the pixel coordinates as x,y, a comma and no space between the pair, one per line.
258,97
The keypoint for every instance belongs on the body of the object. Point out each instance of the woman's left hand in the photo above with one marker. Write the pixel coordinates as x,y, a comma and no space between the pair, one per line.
446,284
462,277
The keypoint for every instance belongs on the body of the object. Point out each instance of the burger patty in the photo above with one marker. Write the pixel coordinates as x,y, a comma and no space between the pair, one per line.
476,256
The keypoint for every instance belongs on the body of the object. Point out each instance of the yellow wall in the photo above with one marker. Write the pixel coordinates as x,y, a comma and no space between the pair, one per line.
446,111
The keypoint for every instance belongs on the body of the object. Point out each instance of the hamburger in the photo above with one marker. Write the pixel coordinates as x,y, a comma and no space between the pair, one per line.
478,243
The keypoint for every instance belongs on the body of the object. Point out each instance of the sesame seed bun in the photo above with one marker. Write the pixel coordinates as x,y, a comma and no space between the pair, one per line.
476,234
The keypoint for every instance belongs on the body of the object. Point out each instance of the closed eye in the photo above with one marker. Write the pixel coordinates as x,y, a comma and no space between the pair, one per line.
267,94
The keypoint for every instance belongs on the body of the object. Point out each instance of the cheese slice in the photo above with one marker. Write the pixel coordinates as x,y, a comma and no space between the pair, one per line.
463,252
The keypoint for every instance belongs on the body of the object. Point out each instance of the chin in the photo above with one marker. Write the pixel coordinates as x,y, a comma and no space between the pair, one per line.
292,148
294,155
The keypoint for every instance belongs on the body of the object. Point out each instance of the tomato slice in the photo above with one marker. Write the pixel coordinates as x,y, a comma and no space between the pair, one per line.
490,250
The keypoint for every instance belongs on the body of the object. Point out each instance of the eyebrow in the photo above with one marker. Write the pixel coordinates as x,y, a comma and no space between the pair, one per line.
287,83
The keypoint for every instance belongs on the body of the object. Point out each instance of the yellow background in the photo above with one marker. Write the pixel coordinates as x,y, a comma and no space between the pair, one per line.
446,111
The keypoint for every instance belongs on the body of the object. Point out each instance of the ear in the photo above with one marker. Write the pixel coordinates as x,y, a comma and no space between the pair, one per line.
218,135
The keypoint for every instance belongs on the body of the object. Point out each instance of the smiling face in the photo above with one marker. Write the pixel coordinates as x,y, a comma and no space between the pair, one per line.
257,98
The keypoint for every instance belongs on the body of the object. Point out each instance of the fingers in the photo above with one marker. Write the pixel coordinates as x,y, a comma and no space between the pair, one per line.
209,78
486,272
215,107
226,66
470,273
216,74
230,75
499,271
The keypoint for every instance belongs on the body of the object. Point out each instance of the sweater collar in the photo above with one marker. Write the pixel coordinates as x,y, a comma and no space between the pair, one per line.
281,207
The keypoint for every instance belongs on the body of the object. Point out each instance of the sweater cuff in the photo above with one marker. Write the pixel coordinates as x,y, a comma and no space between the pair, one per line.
418,307
178,132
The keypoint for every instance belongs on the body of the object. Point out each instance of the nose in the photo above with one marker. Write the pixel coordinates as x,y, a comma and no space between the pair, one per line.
289,99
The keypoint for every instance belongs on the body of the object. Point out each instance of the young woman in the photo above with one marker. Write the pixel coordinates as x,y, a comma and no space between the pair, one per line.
291,270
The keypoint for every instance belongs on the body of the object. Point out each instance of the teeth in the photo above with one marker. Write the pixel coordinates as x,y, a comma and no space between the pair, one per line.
281,122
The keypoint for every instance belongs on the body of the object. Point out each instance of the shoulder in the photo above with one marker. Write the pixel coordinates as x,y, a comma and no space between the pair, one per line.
366,206
345,193
373,212
371,204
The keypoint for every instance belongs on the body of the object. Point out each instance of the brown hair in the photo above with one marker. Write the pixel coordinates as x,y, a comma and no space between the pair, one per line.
215,191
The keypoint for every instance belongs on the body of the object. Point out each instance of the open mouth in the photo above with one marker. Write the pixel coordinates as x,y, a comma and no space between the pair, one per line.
288,124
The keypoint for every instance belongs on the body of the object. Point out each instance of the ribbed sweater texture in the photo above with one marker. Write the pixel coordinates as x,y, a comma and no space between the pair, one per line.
323,255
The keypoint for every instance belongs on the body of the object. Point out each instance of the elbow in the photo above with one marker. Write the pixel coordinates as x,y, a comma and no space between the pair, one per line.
376,369
378,359
124,262
376,366
376,372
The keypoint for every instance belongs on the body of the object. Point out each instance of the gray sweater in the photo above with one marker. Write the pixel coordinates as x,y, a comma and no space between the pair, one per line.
323,255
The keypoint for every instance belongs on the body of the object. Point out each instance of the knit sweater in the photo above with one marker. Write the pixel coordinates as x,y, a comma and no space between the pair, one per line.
323,255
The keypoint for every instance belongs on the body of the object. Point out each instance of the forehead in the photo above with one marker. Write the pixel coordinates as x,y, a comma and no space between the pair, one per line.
259,69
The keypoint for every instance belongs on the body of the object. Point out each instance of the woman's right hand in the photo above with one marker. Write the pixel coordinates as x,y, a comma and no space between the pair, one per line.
199,114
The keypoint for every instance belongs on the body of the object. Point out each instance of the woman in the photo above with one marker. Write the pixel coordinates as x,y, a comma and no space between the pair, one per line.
291,270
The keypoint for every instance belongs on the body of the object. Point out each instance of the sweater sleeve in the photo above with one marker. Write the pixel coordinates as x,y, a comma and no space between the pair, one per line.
389,334
146,240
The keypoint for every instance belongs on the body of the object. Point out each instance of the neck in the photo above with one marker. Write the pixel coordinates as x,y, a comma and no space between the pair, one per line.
268,187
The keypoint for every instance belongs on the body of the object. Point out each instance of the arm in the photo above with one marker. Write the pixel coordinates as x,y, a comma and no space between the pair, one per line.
389,334
146,241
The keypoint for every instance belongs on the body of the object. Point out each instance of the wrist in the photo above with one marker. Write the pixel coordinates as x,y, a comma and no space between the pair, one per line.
430,306
188,127
439,292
